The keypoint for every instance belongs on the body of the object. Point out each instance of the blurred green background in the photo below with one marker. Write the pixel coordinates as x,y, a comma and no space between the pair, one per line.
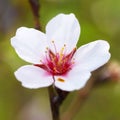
99,19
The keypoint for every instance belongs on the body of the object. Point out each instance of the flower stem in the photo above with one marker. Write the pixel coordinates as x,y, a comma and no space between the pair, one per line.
56,99
53,103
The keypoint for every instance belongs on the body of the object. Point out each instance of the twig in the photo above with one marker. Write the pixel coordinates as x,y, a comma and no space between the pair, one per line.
54,104
56,99
35,6
56,96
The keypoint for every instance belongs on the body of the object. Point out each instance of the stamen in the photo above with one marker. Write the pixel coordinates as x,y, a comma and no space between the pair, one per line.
55,70
57,63
61,80
61,54
41,61
64,45
54,46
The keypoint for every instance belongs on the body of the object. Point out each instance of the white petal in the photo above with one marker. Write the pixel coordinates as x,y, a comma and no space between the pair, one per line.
33,77
30,44
63,30
92,55
74,80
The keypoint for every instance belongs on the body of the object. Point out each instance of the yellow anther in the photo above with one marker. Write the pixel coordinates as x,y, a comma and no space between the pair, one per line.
61,80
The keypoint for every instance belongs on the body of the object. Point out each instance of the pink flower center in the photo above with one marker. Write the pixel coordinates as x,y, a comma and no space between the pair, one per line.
57,64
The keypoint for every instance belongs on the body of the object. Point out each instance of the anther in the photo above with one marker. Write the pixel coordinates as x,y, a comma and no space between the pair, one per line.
64,45
61,80
52,41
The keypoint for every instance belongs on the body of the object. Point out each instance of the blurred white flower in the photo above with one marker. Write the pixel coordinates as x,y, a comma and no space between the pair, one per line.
54,56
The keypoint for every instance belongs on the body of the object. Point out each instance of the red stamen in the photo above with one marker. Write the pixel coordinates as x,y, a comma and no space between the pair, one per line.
57,64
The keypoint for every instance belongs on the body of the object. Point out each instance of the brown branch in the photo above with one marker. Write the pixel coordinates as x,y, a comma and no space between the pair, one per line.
35,6
54,103
56,96
56,99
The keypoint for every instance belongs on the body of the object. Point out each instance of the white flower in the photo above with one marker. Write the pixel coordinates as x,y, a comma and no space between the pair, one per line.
54,56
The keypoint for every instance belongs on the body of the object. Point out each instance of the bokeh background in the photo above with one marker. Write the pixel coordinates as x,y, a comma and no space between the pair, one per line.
99,19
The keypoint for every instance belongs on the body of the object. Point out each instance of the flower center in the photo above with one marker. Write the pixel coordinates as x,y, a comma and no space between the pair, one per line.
58,63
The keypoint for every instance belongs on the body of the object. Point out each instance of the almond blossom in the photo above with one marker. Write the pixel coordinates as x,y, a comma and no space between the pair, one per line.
53,56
